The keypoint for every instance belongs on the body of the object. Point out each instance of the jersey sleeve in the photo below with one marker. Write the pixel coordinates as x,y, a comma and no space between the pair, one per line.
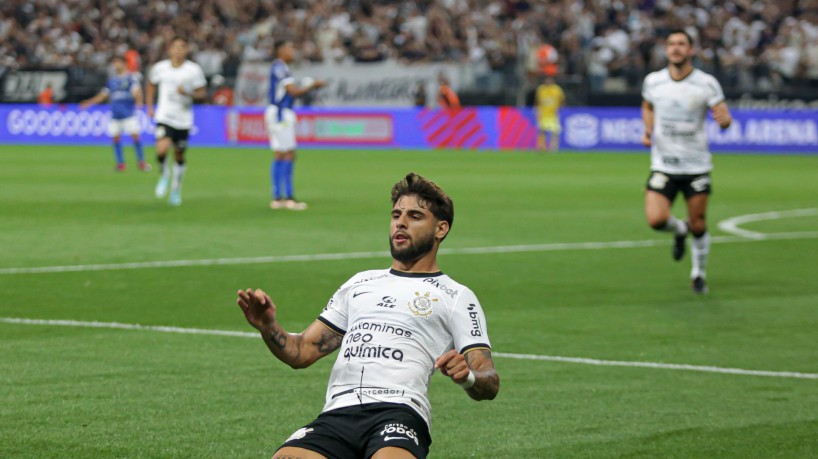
647,94
135,86
468,324
198,79
155,76
715,95
336,313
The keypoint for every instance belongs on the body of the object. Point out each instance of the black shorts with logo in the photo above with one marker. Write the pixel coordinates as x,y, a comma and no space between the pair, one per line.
670,184
360,431
177,136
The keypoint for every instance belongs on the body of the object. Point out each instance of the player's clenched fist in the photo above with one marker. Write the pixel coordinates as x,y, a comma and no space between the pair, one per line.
453,365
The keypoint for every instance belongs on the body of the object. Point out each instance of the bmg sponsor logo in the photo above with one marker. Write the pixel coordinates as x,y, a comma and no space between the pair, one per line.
476,330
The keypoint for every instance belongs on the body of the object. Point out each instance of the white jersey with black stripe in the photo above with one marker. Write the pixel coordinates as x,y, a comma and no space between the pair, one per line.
395,324
680,109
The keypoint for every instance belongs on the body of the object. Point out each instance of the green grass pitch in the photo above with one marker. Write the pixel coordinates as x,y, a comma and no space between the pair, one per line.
79,392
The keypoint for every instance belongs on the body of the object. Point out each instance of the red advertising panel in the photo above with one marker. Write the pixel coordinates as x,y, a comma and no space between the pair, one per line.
318,128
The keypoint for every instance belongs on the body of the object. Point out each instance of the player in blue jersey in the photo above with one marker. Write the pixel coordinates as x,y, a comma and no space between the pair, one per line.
281,120
125,94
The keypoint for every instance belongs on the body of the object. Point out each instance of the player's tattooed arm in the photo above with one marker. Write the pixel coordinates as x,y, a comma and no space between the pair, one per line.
487,381
327,342
476,362
298,350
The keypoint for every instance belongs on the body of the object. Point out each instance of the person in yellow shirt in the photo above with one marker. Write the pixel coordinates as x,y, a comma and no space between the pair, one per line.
549,100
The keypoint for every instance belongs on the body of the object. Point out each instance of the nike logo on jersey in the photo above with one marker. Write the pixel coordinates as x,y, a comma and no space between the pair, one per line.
394,438
355,295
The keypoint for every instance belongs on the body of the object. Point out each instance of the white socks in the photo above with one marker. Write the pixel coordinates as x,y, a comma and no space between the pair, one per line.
178,174
699,248
675,225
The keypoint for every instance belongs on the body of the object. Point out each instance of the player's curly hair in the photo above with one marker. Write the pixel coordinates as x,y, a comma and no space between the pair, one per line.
429,194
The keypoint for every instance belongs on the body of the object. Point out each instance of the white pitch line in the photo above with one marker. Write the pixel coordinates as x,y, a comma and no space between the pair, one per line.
731,225
550,358
386,255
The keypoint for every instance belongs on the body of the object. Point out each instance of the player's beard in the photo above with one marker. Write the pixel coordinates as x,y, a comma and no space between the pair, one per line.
414,250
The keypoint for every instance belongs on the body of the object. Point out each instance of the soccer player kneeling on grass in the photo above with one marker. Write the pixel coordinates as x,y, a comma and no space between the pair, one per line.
394,327
676,101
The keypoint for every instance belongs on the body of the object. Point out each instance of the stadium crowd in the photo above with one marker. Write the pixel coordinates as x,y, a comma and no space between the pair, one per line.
747,44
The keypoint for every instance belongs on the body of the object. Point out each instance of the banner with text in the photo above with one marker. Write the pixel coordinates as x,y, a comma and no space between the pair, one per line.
471,127
381,84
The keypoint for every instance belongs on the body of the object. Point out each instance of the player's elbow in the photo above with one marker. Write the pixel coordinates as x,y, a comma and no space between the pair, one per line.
301,363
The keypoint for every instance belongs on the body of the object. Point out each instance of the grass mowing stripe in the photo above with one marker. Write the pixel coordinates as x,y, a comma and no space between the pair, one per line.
549,358
559,246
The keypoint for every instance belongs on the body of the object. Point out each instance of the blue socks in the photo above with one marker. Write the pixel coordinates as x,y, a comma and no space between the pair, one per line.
139,154
281,176
120,159
276,177
288,178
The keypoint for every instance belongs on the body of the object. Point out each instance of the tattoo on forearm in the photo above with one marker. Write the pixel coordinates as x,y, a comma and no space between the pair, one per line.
486,386
279,337
328,342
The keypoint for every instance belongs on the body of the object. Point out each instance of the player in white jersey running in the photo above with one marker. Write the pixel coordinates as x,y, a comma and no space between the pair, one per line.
675,105
180,83
394,328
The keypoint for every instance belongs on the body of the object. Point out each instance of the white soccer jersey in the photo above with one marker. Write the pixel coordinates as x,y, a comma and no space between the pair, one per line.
680,108
395,325
172,108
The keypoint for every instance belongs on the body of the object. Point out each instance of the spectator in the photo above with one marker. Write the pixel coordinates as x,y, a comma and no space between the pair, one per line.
46,96
737,37
446,97
420,94
222,94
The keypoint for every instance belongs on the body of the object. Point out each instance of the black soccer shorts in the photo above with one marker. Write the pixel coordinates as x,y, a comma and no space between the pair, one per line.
360,431
177,136
669,185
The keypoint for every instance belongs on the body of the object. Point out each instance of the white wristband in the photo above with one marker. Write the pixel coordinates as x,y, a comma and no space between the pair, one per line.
469,382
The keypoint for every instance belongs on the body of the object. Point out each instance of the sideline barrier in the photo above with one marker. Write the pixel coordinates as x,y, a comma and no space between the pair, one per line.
471,127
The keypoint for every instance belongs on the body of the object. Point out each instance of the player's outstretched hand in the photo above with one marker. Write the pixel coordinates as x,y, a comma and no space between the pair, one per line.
646,140
258,308
453,365
318,84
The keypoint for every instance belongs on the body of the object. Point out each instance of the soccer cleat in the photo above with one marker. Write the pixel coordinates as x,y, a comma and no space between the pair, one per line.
120,167
144,167
292,204
162,187
699,285
679,245
175,198
276,204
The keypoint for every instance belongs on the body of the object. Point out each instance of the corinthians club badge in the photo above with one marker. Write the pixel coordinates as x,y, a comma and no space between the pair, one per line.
421,305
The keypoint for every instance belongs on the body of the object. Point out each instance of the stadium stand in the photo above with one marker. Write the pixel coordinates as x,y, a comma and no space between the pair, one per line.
603,46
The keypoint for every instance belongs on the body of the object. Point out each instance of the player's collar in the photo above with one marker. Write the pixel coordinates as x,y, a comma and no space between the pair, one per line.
395,272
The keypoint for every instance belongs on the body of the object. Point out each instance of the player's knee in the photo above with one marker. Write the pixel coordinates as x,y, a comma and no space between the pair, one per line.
697,227
657,222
